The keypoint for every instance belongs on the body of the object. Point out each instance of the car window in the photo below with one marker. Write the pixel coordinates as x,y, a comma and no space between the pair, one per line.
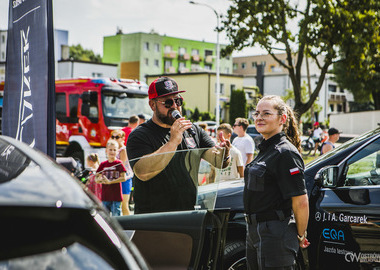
364,167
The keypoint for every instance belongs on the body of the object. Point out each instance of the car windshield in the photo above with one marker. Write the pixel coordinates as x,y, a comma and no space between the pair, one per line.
183,180
123,105
343,146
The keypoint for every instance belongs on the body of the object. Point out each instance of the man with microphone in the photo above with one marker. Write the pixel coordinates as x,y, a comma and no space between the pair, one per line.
165,179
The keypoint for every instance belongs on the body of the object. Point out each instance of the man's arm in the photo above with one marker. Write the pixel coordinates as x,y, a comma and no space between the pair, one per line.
249,158
151,165
240,170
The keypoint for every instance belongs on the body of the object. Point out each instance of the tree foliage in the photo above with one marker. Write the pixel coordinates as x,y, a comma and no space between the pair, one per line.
358,70
238,105
312,28
80,54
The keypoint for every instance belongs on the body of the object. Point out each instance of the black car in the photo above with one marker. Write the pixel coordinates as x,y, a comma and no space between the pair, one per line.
344,197
49,220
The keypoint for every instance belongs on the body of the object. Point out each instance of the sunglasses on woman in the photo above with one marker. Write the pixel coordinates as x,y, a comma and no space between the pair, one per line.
170,102
115,137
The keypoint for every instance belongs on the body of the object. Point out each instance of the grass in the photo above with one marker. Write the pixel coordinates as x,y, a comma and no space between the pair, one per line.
307,159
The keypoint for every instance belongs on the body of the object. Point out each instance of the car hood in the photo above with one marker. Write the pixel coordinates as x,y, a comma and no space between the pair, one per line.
23,173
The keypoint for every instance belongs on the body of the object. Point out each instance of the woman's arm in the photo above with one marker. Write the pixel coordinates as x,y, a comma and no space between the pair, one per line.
300,206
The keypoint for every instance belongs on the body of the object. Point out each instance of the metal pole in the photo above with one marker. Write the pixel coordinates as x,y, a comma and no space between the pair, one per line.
217,94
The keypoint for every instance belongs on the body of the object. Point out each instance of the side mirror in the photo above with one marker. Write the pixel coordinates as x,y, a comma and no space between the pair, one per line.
327,176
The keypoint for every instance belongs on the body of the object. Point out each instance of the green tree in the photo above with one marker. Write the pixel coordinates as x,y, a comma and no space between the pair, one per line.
316,107
316,29
238,105
196,115
359,72
80,54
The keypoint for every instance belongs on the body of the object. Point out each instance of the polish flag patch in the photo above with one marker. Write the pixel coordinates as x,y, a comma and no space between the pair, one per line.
294,171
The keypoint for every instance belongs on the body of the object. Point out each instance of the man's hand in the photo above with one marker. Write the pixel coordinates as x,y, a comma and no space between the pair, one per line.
177,129
224,143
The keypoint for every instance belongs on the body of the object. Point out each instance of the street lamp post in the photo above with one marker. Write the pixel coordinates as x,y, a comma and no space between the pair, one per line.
217,105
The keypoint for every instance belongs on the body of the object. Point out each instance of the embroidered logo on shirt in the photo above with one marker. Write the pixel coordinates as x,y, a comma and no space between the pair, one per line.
294,171
190,142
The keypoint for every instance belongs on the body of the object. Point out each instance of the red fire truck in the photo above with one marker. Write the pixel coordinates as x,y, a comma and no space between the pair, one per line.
88,109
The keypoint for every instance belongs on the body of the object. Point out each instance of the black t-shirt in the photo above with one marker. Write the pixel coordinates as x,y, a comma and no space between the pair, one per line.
274,176
171,189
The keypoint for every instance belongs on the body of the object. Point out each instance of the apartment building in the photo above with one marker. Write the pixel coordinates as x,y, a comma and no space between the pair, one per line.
275,81
141,54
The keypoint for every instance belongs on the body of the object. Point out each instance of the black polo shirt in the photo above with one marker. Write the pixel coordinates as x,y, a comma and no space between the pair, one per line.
274,176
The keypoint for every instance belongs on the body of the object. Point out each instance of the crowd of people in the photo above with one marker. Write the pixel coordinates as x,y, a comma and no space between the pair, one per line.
275,197
111,180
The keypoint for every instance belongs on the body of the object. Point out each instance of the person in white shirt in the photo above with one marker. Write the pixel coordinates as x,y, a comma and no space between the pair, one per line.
317,136
243,141
235,169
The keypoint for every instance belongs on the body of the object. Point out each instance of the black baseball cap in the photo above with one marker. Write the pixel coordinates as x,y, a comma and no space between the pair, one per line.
333,131
163,86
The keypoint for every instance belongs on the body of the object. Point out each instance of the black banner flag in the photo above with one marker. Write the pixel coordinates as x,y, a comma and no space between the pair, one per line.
29,92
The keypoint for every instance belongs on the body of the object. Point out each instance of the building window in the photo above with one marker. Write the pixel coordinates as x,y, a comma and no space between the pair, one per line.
2,39
235,66
97,74
157,47
208,52
221,88
243,65
339,108
227,70
195,67
272,67
167,49
332,88
194,52
331,107
181,66
181,51
207,67
233,87
146,46
254,64
146,60
168,64
156,63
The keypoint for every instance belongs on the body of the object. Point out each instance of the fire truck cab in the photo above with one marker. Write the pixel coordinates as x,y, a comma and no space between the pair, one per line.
88,109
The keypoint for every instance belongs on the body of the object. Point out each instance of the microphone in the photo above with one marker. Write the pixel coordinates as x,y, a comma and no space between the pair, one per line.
176,115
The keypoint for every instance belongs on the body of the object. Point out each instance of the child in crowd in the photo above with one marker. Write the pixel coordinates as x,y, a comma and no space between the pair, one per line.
119,136
110,174
93,162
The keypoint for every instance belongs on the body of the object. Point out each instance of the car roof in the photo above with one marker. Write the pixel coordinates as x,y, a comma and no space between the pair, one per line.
30,178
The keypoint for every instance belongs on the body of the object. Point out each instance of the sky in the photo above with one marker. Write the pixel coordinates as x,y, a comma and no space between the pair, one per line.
88,21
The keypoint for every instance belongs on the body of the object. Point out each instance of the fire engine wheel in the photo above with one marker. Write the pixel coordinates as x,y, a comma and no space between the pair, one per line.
78,156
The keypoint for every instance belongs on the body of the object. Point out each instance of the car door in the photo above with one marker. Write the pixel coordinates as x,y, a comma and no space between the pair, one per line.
348,215
190,239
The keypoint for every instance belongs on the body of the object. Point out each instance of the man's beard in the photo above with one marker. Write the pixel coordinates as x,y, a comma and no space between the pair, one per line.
166,119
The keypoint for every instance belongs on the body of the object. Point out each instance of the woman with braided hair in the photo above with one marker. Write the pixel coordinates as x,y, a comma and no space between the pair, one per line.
275,197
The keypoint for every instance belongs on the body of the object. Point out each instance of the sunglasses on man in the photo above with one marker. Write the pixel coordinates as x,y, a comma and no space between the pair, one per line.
170,102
